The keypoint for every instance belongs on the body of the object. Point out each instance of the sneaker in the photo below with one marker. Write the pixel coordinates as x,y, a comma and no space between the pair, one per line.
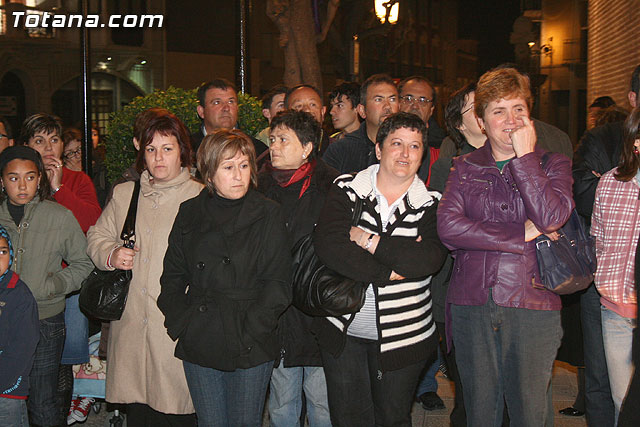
70,419
431,401
81,411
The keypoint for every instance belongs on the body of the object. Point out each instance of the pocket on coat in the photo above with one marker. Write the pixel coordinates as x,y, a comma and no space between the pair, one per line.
210,337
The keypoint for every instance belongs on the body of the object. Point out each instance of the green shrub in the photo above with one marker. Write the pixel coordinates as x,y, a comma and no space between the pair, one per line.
250,118
181,102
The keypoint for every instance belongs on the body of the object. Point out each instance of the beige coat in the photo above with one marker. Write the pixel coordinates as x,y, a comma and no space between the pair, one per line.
141,367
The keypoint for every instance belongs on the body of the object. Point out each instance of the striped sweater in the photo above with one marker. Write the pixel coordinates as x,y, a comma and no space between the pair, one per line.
403,308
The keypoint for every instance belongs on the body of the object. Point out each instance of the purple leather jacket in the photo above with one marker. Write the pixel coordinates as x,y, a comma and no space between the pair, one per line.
481,219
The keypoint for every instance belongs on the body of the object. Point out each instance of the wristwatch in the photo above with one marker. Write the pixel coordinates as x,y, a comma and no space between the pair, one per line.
369,242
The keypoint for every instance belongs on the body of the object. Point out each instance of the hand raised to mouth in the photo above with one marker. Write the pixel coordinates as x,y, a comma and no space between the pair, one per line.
524,137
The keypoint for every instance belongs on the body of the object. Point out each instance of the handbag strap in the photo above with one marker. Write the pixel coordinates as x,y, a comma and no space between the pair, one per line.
357,212
129,226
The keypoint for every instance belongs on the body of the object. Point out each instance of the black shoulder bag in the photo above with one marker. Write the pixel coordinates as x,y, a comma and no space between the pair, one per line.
317,289
568,264
104,293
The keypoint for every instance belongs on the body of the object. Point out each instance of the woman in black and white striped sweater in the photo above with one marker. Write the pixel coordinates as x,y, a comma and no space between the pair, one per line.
373,359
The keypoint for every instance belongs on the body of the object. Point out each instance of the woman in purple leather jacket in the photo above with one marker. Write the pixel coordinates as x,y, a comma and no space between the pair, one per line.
498,199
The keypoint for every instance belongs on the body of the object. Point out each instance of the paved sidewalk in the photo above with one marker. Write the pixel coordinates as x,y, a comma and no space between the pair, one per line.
564,392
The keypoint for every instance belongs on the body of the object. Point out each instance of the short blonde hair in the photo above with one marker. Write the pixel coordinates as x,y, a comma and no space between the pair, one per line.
221,145
498,84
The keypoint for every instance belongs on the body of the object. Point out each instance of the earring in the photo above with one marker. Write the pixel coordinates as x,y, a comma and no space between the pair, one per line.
636,151
304,156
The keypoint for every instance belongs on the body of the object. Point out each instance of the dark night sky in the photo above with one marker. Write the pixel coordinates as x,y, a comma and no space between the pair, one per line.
490,22
200,29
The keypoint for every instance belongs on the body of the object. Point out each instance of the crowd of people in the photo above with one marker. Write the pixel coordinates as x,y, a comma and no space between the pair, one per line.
438,227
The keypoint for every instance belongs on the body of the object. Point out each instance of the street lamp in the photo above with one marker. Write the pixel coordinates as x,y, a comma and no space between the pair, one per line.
387,10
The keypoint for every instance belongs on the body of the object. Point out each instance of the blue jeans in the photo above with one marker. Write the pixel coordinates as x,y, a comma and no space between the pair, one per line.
43,379
360,394
285,396
505,354
228,399
429,381
617,335
76,343
599,407
13,412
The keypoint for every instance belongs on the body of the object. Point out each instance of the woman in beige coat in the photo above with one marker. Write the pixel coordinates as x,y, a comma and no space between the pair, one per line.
142,370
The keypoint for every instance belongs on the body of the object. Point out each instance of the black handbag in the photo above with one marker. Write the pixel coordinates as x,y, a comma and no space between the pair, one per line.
568,264
104,293
317,289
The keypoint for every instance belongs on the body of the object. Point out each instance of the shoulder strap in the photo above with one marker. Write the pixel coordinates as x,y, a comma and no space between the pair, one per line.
357,212
129,227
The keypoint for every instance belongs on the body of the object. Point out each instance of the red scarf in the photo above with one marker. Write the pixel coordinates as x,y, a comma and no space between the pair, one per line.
286,177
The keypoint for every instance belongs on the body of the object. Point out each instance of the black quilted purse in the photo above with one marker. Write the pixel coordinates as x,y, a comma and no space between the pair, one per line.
104,293
320,291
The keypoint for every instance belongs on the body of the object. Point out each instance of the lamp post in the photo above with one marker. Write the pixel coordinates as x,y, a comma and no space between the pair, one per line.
387,12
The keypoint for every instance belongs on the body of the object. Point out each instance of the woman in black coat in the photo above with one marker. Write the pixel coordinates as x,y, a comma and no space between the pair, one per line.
226,281
299,181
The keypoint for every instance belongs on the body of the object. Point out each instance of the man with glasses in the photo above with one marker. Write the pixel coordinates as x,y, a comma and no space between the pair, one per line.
6,137
356,151
418,96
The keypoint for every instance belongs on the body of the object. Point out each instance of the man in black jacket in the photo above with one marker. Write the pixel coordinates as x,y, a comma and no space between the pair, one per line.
355,152
598,152
218,108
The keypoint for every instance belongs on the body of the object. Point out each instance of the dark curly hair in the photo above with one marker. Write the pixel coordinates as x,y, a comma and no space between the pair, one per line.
398,121
303,124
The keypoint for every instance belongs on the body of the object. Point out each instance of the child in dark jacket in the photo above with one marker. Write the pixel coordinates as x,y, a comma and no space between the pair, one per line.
19,335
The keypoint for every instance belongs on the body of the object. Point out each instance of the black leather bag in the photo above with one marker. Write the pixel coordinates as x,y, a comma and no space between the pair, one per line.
104,293
320,291
568,264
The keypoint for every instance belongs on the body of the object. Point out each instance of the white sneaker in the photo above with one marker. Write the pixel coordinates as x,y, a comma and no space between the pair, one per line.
70,419
81,410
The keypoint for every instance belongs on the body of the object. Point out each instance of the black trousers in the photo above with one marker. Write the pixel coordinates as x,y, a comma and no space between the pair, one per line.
360,394
140,415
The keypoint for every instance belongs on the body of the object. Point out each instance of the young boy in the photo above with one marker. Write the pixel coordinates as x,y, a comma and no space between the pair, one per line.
19,335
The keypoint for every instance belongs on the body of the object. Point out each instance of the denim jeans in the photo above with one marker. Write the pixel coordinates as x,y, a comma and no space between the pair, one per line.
228,399
599,407
285,396
360,394
505,354
617,334
76,343
429,382
13,412
43,379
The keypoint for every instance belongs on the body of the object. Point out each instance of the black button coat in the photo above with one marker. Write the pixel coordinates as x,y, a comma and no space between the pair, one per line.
224,287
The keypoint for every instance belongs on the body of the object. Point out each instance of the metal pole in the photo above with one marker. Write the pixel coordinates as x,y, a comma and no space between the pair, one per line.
87,145
242,58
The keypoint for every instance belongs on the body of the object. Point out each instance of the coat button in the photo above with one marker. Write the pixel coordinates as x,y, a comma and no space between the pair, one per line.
226,260
200,265
504,206
202,308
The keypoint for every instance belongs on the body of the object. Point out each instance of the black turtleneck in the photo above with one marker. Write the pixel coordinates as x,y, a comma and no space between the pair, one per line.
16,212
223,210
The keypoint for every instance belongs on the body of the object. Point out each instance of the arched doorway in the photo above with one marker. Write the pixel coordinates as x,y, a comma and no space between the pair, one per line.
12,101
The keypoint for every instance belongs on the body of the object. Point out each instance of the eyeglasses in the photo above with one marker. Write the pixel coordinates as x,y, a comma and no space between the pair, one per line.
4,135
410,99
73,153
470,107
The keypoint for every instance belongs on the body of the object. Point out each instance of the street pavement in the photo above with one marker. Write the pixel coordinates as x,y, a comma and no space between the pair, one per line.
565,388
